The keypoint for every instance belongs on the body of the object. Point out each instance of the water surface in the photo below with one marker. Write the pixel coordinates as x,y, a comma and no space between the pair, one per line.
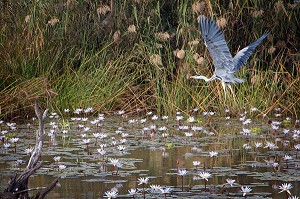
148,154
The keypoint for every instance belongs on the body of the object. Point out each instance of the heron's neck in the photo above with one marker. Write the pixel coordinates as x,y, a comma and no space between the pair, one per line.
205,78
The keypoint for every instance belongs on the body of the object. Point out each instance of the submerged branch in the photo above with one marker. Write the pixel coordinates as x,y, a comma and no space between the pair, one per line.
18,186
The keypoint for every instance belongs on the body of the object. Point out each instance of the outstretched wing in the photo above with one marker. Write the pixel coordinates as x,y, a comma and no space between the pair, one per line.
243,55
216,44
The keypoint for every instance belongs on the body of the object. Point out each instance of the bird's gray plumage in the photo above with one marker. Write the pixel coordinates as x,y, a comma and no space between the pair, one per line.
225,65
243,55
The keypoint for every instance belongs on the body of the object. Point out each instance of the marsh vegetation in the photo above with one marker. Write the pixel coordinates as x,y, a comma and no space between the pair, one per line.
120,55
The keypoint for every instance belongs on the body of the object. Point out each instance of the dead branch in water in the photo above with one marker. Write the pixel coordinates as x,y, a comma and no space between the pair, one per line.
18,186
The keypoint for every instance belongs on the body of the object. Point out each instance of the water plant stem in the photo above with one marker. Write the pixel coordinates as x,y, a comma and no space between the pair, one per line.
15,147
144,194
87,148
181,183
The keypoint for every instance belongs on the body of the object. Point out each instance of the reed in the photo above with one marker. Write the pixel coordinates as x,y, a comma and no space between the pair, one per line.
139,54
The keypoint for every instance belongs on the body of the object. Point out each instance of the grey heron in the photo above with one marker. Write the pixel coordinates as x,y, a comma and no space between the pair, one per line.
225,65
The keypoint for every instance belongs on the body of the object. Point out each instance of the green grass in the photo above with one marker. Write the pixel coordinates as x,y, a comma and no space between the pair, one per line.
80,62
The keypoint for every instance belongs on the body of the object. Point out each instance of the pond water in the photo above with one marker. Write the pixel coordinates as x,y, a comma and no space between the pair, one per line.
261,153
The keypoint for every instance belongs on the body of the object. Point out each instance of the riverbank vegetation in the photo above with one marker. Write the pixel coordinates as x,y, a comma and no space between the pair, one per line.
125,55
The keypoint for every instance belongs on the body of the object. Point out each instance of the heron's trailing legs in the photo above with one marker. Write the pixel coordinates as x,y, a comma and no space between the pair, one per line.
233,94
224,88
230,87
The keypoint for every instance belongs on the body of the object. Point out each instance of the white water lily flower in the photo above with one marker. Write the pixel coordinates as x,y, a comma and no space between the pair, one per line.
286,131
163,128
246,190
275,164
253,109
191,119
121,148
143,120
152,127
165,117
64,131
82,135
196,163
258,144
154,117
62,166
110,194
211,113
124,135
213,153
182,172
287,157
86,141
123,141
204,175
274,127
165,135
245,132
286,187
166,190
96,135
230,181
101,152
56,158
132,192
29,150
113,161
196,128
14,140
188,134
183,127
155,188
247,121
131,121
297,146
102,146
293,197
103,135
271,145
246,146
143,180
179,118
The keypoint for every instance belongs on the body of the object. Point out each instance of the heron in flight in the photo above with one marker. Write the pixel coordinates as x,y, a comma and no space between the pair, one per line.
225,65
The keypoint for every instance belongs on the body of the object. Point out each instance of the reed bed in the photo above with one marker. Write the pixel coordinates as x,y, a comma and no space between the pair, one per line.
129,55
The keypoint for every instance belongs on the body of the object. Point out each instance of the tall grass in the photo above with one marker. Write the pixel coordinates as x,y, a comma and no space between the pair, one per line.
128,55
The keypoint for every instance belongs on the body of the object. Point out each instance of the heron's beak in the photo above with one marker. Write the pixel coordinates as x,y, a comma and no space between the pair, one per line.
194,76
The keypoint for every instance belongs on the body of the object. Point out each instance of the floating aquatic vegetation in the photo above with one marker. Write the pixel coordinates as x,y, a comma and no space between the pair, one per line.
219,158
